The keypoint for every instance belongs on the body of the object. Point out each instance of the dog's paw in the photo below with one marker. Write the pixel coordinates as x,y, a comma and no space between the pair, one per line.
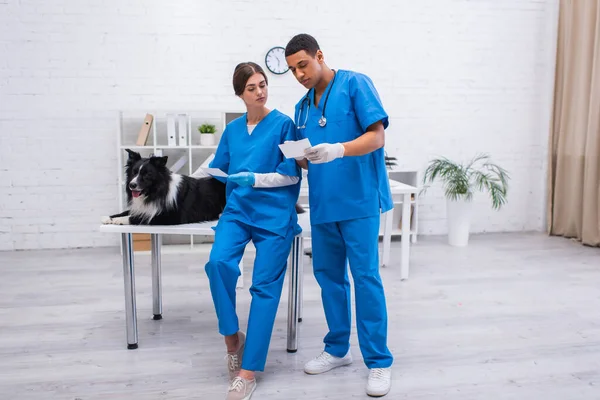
106,220
120,221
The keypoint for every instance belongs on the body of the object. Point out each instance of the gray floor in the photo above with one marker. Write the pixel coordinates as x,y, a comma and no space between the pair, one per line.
513,316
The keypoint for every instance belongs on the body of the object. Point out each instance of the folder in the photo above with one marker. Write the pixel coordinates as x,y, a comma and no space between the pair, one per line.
171,131
144,130
182,129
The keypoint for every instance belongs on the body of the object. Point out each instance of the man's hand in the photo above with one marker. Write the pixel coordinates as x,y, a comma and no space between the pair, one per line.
324,152
242,178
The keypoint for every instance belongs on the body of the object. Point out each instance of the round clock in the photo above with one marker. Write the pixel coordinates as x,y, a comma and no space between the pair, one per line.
275,60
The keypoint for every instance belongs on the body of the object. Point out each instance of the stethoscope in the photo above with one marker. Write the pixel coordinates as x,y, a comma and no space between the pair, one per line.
322,120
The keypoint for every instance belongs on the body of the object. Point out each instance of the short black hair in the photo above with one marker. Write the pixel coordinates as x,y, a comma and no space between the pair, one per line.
302,41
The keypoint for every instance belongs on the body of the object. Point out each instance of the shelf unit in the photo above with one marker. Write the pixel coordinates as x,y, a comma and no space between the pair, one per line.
128,126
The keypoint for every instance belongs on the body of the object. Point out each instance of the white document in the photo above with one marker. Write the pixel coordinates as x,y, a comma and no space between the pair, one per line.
295,149
215,172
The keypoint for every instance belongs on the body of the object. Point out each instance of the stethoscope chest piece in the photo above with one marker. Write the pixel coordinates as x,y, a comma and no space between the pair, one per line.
322,121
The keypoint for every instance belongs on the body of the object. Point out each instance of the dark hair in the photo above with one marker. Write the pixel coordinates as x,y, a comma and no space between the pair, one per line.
243,72
302,41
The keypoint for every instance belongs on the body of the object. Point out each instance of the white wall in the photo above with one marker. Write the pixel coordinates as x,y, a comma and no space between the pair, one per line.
457,77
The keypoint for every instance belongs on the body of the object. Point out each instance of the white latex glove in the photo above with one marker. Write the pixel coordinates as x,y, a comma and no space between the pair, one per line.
324,152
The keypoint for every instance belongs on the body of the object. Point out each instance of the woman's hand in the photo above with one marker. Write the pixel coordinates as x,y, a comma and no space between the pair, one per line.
242,178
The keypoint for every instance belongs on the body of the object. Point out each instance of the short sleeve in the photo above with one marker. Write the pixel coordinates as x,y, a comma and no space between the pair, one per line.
222,156
288,166
366,102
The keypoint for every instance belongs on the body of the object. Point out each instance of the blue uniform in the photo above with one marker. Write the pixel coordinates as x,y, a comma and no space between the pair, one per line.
347,196
267,216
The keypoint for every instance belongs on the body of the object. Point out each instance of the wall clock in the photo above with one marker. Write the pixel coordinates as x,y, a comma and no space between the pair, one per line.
275,60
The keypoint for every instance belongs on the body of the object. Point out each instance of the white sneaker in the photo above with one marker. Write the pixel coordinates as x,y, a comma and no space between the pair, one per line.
380,381
325,362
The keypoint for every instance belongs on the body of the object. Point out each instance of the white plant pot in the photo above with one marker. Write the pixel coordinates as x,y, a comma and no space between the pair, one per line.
459,222
207,139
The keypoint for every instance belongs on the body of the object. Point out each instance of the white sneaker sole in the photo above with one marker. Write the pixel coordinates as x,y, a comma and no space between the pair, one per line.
378,393
250,394
321,371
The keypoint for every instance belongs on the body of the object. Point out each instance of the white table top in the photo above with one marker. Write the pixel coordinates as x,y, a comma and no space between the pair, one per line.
202,228
402,188
395,187
205,228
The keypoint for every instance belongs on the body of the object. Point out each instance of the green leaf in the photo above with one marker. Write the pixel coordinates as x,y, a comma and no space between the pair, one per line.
207,128
460,181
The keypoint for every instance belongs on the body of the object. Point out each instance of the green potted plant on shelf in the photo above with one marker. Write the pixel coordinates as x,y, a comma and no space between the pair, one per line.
460,182
207,134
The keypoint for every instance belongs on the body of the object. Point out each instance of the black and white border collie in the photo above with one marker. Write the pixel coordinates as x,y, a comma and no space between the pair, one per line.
156,196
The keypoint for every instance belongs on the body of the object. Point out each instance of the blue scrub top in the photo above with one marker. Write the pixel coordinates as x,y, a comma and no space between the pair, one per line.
272,209
349,187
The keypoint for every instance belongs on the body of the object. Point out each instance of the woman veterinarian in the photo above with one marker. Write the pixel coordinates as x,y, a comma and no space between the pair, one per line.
262,190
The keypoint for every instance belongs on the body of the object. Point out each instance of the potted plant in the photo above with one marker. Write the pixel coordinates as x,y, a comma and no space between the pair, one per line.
460,181
207,134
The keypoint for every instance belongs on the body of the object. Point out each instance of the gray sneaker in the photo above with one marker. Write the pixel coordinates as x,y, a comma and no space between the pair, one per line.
241,389
234,360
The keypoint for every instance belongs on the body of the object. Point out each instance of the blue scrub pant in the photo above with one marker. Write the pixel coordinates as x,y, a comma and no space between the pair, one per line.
272,251
357,241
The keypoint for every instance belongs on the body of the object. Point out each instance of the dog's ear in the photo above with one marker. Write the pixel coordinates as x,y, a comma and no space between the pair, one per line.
133,156
159,161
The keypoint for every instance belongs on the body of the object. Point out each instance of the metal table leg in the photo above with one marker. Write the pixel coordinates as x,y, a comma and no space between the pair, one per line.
129,282
156,242
404,267
387,237
301,283
295,260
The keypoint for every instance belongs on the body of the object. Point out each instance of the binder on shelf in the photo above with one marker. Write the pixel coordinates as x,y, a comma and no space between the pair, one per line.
171,132
144,130
182,129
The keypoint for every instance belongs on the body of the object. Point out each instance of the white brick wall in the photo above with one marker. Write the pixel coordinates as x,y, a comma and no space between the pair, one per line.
456,76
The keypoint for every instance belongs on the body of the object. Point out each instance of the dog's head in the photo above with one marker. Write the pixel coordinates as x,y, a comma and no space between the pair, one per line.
145,176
